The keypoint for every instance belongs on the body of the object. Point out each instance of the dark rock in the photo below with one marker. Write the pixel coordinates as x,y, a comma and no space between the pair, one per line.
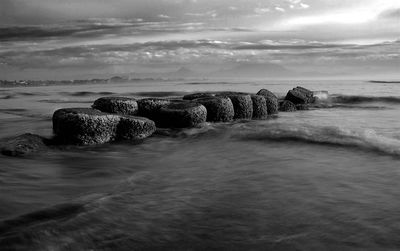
302,107
300,95
260,109
84,126
198,95
149,107
271,101
120,105
132,127
242,104
219,109
182,114
23,145
287,106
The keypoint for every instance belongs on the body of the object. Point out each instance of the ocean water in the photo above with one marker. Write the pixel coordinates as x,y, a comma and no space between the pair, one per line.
322,179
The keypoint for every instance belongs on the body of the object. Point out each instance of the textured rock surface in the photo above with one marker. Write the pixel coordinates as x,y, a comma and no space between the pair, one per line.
198,95
219,109
182,114
242,104
120,105
300,95
260,109
23,145
149,107
132,127
287,106
271,101
84,126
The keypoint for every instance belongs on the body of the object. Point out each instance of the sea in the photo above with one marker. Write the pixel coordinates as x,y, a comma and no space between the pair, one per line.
327,178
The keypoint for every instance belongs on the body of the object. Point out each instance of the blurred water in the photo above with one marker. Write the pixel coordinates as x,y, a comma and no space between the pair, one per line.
324,179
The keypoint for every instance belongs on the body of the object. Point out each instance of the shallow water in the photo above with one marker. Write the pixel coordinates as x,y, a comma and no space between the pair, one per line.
324,179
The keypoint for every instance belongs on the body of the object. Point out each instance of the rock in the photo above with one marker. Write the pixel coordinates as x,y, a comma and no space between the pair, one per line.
149,107
242,104
84,126
120,105
287,106
300,95
133,128
219,109
198,95
271,100
302,107
182,114
260,109
23,145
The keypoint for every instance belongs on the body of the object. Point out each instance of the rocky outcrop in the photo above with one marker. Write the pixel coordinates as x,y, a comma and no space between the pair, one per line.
86,126
300,95
219,109
198,95
271,101
287,106
182,114
120,105
242,104
24,144
260,109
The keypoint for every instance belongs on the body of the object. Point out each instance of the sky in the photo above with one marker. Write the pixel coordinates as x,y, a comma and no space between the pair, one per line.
70,39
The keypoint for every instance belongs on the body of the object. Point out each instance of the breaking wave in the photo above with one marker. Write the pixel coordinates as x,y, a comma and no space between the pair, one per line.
349,99
365,140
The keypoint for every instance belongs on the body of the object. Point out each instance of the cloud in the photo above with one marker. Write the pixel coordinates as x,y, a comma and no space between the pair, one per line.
390,14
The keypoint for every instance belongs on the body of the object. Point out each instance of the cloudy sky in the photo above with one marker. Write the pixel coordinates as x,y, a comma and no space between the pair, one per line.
64,39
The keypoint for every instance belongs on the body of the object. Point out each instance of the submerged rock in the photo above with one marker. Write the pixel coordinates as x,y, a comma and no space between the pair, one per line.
260,109
86,126
219,109
271,101
23,145
198,95
287,106
300,95
120,105
302,107
182,114
242,104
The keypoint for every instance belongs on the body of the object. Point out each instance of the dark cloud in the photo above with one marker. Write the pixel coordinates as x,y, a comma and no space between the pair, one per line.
391,14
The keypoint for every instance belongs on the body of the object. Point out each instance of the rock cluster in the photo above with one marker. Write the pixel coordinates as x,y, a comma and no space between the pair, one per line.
116,118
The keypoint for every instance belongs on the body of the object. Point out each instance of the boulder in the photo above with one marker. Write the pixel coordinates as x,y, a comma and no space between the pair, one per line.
23,145
134,128
120,105
84,126
300,95
271,101
242,104
198,95
219,109
182,114
149,107
287,106
260,109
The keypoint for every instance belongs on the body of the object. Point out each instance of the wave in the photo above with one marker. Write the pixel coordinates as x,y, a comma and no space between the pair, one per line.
354,99
365,140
